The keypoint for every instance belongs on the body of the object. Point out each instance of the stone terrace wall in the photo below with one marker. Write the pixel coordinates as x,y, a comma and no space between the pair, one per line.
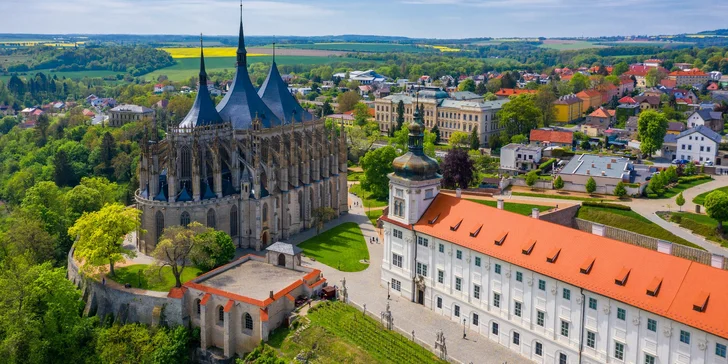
125,304
562,216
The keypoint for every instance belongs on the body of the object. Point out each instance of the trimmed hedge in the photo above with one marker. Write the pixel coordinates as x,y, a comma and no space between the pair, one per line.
606,205
693,178
546,166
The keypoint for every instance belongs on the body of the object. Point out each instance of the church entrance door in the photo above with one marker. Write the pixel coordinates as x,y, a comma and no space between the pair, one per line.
281,260
421,296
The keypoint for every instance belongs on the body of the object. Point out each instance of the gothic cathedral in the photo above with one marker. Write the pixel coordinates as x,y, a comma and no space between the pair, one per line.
256,166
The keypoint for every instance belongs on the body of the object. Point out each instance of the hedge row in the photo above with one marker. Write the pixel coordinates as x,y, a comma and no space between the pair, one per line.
606,205
693,178
547,164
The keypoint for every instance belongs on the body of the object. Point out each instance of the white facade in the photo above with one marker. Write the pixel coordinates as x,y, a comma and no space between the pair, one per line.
611,322
696,146
517,157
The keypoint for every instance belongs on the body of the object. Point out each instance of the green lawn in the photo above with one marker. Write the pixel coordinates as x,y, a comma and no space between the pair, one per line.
366,197
699,224
682,187
341,247
519,208
354,176
338,333
700,199
133,274
557,196
631,221
373,215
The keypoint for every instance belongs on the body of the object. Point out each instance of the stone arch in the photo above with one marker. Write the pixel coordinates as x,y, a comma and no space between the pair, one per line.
184,219
159,224
234,221
264,239
211,220
282,260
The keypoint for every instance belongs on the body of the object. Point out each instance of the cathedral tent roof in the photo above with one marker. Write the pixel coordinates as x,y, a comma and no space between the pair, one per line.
184,195
276,95
208,193
203,110
241,105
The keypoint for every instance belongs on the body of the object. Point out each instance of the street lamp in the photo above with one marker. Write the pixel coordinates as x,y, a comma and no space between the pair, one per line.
388,284
464,334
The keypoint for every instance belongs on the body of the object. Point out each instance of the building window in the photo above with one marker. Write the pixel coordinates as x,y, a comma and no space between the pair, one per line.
592,303
422,269
517,338
519,276
397,260
398,207
496,299
197,306
476,291
396,285
457,310
441,248
459,254
540,315
422,241
649,359
458,283
591,339
440,276
494,328
439,302
475,319
398,233
619,350
564,328
621,314
497,269
652,325
211,218
399,193
720,350
539,349
684,337
542,284
184,220
248,321
428,193
160,224
220,314
477,261
567,294
562,358
234,221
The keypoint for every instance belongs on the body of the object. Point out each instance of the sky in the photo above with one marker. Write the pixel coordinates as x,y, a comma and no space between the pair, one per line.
411,18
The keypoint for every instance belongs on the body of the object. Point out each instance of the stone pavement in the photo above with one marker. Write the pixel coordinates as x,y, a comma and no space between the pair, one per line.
364,289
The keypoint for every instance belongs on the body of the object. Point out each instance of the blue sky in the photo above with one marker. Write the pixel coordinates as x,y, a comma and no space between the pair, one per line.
413,18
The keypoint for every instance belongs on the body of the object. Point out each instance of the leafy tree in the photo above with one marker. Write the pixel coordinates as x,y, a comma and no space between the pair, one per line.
262,354
489,96
361,139
657,184
400,114
493,85
436,131
579,82
558,183
591,185
459,138
620,190
620,68
716,206
457,169
651,128
467,85
519,139
654,76
101,236
400,141
178,246
544,101
27,236
326,108
82,199
481,89
108,152
41,129
680,200
474,139
614,80
531,178
361,113
63,172
519,116
347,101
377,164
219,251
321,215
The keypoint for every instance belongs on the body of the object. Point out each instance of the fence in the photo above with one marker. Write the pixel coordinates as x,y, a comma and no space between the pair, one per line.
682,251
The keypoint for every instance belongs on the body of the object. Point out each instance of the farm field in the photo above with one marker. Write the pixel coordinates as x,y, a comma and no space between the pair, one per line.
71,74
359,47
188,67
643,43
212,52
567,44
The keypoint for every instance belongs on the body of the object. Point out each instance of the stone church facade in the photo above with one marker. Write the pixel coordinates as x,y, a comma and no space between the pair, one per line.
255,166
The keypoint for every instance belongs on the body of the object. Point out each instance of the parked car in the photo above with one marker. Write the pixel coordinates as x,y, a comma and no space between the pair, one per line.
709,164
680,161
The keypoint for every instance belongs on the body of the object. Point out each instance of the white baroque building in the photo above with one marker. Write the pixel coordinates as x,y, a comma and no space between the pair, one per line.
548,292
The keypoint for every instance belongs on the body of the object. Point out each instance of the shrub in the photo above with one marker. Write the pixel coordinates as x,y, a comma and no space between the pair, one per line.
546,166
687,179
606,205
620,190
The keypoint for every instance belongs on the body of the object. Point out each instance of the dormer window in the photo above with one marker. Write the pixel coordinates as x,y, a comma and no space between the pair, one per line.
701,301
586,267
456,226
528,248
654,288
621,278
553,255
475,232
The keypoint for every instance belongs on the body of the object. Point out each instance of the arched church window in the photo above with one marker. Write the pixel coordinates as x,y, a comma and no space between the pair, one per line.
159,217
265,212
234,221
197,306
220,314
211,218
185,219
186,161
248,321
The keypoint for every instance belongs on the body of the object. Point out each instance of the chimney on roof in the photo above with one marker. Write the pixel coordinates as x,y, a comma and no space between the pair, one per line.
500,204
716,261
592,165
609,165
535,213
604,173
458,193
588,171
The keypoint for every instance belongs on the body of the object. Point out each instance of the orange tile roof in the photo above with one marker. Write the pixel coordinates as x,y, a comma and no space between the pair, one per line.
229,305
585,94
514,91
627,100
602,113
693,72
288,295
177,292
205,298
552,136
588,261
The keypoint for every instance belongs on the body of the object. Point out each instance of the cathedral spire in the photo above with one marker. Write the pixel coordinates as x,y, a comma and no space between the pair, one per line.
203,73
274,52
241,53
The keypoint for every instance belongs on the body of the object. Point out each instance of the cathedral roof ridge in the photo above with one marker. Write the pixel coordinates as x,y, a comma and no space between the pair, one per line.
274,92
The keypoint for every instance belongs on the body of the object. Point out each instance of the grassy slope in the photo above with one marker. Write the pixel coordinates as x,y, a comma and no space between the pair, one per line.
682,187
373,215
702,225
519,208
631,221
557,196
700,199
341,247
366,197
130,274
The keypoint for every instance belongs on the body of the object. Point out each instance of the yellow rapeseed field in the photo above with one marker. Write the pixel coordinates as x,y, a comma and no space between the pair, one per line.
194,52
446,49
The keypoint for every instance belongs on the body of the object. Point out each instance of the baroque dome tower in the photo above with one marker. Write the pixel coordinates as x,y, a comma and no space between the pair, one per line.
415,164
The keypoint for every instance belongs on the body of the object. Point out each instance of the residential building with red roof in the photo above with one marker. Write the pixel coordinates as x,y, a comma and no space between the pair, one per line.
627,100
590,98
639,71
549,137
690,77
545,290
505,93
626,85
